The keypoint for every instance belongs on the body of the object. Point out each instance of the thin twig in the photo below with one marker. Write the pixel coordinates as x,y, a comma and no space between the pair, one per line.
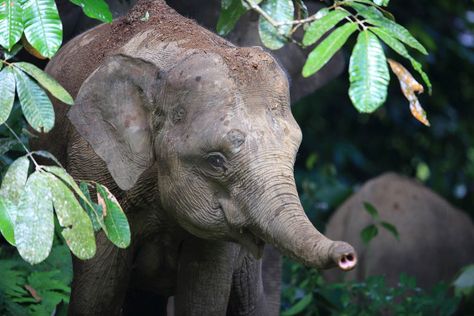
28,153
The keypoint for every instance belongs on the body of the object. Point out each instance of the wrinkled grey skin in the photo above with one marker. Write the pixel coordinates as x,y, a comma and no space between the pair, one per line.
199,145
436,239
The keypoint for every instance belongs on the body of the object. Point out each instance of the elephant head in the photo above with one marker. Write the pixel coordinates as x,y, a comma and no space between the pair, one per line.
218,127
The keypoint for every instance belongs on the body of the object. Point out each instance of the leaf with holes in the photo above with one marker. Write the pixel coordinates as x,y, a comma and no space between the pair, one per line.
229,16
391,228
281,11
43,28
118,230
77,227
398,47
7,95
35,104
46,81
95,9
11,23
93,210
368,73
327,48
34,226
369,233
319,27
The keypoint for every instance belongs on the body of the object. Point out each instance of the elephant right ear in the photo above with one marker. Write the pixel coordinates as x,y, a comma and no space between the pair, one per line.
112,113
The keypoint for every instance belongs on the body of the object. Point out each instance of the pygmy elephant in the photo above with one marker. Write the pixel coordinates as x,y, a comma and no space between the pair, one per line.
196,138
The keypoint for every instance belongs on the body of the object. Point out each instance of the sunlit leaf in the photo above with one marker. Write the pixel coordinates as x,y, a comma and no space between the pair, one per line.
281,11
118,230
369,233
11,23
319,27
93,210
398,46
391,228
35,103
77,227
95,9
410,87
375,17
7,93
368,73
464,283
229,16
43,28
383,3
327,48
45,80
225,4
34,227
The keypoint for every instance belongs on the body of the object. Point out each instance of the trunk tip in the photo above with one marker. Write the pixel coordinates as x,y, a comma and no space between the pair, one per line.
344,256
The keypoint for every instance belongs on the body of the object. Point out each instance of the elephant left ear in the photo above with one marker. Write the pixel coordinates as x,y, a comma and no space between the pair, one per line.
112,113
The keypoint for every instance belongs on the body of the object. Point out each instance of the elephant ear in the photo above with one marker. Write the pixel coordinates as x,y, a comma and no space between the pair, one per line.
112,113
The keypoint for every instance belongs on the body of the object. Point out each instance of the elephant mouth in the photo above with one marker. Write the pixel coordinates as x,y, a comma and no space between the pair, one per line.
250,241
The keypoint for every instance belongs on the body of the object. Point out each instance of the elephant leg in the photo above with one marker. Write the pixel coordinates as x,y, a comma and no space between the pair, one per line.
100,284
271,277
247,296
204,277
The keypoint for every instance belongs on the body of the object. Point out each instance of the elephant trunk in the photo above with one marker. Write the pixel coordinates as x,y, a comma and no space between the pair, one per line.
279,219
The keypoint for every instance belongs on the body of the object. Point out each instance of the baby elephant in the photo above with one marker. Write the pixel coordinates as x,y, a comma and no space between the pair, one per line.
196,139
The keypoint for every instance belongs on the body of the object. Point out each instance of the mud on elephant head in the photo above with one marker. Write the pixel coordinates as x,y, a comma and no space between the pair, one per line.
215,121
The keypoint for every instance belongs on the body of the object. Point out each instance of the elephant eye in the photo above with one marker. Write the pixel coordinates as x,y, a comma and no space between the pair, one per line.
216,160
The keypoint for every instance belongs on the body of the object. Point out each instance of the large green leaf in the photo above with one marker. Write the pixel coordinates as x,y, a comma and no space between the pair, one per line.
35,103
7,93
13,184
46,81
43,28
398,46
229,16
369,233
327,48
11,23
368,73
319,27
95,9
375,17
34,227
118,230
77,231
281,11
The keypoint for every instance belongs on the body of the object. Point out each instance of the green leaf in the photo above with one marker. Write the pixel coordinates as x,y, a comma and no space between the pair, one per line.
225,4
300,306
6,223
7,93
34,227
12,186
118,230
398,47
391,228
13,51
369,233
43,28
93,210
229,17
77,231
11,23
371,210
46,154
95,9
327,48
46,81
319,27
382,3
35,104
368,73
375,17
464,283
281,11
